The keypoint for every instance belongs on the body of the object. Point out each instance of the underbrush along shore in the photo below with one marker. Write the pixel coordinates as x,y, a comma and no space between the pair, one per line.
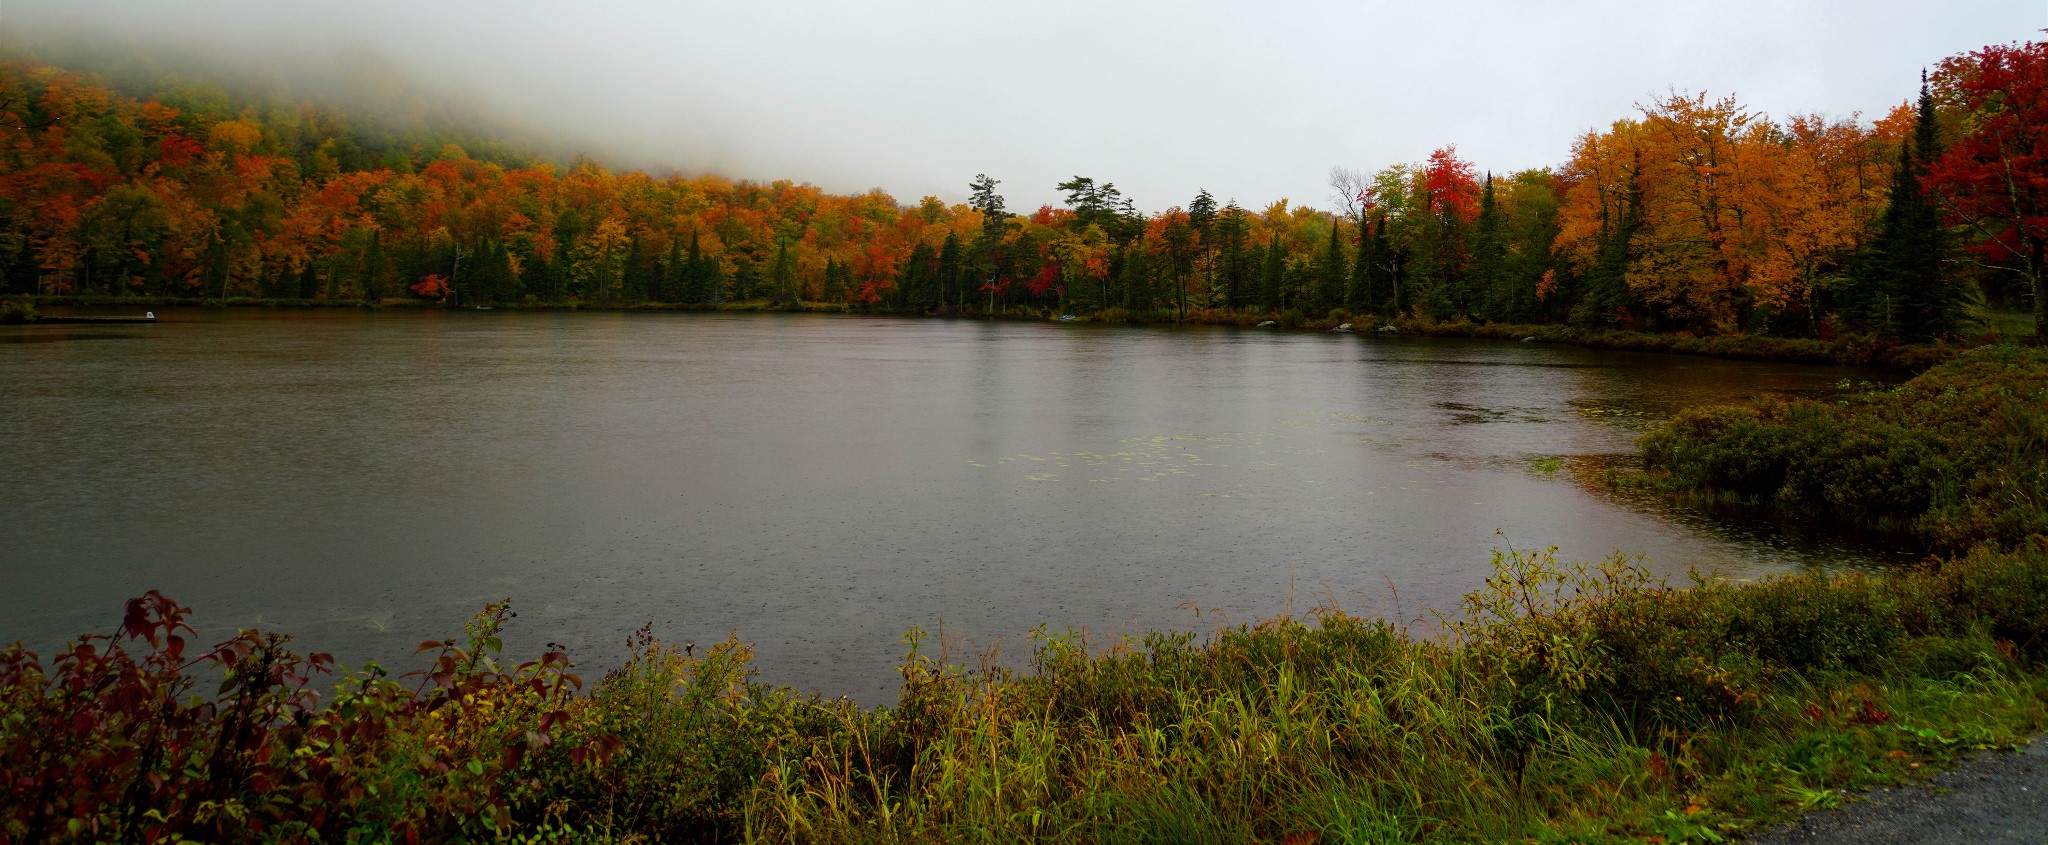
1562,702
1956,456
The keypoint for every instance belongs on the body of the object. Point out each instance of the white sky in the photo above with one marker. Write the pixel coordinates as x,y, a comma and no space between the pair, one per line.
1255,101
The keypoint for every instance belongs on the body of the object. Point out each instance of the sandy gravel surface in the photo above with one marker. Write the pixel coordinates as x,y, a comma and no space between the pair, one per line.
1989,797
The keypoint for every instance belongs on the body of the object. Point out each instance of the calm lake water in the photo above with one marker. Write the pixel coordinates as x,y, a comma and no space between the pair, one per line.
366,480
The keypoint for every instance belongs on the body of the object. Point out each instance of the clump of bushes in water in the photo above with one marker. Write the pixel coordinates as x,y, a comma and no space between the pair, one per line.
1563,702
1958,454
14,311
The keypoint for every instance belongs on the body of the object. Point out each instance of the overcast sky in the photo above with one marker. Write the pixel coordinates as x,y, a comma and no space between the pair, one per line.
1255,101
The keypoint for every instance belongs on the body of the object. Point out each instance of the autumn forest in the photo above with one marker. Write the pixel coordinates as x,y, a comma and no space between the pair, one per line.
1690,214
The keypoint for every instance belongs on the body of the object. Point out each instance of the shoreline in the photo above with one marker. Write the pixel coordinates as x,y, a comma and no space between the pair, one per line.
1845,351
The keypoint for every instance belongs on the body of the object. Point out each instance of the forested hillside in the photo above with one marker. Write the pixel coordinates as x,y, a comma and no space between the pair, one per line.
1691,214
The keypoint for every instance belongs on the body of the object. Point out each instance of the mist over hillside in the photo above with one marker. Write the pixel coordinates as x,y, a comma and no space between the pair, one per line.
1162,97
386,105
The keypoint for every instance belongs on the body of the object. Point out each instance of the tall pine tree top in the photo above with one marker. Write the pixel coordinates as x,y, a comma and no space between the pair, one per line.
1904,288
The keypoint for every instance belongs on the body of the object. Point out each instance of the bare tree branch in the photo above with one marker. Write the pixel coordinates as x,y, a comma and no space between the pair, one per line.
1348,184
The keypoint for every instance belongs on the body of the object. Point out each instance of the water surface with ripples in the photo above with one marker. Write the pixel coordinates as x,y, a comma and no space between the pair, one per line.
364,480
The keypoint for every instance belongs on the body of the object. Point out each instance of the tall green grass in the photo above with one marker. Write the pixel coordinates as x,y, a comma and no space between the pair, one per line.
1562,702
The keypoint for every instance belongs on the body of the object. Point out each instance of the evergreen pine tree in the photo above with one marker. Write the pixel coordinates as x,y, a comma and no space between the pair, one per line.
1271,276
696,276
1232,268
635,285
1202,211
504,283
952,293
374,268
476,275
990,246
1364,291
543,277
1441,276
916,281
1490,271
1330,273
835,281
673,283
783,277
743,282
714,280
1605,286
1134,278
1916,298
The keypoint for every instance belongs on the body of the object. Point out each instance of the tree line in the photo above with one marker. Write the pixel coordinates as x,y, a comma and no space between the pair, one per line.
1694,214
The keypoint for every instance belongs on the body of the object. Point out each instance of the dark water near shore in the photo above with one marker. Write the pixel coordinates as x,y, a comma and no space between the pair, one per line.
366,480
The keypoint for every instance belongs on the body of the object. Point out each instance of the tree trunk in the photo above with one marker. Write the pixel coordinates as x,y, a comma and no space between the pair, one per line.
2040,297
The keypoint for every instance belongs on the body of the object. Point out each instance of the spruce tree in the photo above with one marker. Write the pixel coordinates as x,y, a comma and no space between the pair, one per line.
509,290
743,286
1605,286
1916,298
636,285
1272,276
915,282
1358,293
1443,279
1490,272
673,283
1134,278
493,282
696,279
952,293
783,276
835,281
714,280
374,268
1330,273
1230,261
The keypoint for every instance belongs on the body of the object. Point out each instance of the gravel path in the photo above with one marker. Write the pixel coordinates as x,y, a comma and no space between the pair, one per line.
1990,796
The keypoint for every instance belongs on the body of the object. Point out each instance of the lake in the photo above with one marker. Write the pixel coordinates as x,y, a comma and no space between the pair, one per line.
366,480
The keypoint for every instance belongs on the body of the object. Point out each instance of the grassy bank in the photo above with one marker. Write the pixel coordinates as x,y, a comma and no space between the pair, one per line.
1561,703
1956,455
1851,349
